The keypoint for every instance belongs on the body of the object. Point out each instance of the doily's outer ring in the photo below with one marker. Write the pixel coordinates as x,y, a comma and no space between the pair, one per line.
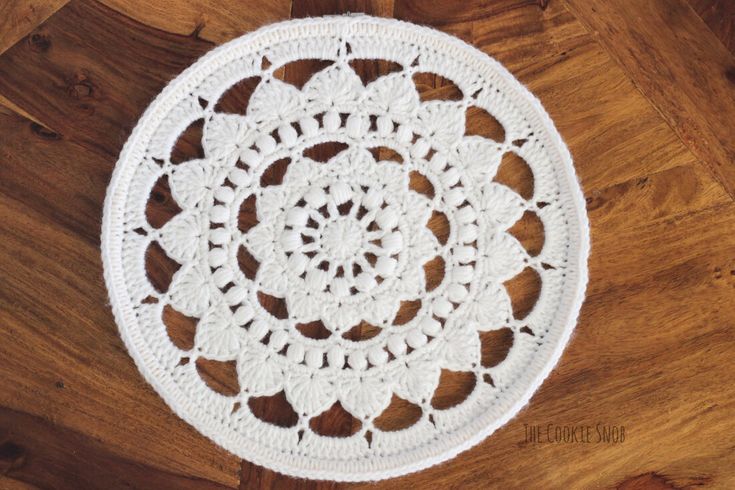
509,402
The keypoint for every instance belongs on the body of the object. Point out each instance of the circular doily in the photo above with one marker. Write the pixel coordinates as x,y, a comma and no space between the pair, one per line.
345,242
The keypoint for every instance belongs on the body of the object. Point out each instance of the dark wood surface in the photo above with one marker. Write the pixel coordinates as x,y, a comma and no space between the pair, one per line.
642,92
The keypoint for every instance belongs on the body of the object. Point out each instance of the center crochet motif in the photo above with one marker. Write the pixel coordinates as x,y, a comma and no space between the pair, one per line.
344,242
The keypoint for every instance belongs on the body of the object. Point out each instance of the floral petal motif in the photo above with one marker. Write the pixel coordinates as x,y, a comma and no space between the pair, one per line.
424,247
491,309
480,158
217,335
365,398
299,172
393,176
394,94
309,395
273,100
271,202
443,121
461,349
504,256
335,86
223,133
190,181
259,374
418,382
381,309
180,237
189,291
417,208
340,317
260,241
412,281
346,162
273,278
504,206
303,305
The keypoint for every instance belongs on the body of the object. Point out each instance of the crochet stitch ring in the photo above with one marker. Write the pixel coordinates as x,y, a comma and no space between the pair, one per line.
344,242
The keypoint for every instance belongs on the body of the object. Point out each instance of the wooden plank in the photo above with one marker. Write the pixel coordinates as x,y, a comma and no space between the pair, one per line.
679,65
448,13
209,20
19,17
41,454
8,108
94,73
316,8
719,15
671,193
63,359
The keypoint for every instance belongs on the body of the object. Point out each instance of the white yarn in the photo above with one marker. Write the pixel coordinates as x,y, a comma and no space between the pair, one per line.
343,267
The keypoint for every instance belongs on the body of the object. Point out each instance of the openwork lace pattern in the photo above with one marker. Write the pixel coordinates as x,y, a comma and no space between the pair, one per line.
345,242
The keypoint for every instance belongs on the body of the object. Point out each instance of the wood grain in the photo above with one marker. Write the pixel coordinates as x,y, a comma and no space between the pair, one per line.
62,358
719,15
209,20
19,17
639,90
45,455
89,87
667,45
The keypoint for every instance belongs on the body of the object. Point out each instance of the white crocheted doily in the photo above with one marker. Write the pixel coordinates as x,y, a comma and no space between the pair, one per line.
344,242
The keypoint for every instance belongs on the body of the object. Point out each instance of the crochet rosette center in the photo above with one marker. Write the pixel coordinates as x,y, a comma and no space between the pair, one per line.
341,239
286,261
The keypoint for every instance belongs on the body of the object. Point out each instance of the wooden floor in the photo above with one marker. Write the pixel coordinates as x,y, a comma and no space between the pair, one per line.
643,93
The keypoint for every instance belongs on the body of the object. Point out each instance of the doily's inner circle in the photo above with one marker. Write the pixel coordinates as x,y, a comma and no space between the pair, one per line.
341,239
391,237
